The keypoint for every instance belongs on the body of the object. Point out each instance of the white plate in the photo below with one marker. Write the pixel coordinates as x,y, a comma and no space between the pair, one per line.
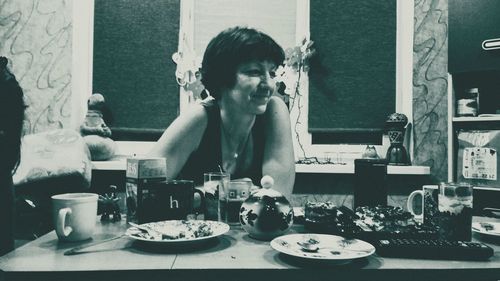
481,228
331,247
175,227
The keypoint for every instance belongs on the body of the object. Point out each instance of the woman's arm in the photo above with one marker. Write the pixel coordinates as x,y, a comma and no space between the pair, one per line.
279,160
180,139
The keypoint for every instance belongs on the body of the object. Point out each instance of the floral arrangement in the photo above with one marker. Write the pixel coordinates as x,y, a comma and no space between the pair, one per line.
188,74
289,74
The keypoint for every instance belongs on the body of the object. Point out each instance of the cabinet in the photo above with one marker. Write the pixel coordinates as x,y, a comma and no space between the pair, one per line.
471,66
470,24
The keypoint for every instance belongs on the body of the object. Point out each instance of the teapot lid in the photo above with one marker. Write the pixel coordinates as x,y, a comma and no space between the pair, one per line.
267,183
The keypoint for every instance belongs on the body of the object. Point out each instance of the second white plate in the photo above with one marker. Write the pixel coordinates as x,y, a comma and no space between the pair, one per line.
330,247
486,228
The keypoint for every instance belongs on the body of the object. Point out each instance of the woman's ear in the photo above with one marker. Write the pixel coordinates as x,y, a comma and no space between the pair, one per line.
3,62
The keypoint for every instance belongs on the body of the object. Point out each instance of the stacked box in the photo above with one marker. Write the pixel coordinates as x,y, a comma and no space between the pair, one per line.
141,172
477,157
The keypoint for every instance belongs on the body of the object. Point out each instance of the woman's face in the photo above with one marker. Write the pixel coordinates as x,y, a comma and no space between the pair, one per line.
254,85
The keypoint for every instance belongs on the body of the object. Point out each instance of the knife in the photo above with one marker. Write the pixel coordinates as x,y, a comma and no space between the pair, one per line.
81,249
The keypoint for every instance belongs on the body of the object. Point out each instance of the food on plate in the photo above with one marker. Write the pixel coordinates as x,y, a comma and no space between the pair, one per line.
386,218
320,212
175,230
325,217
330,218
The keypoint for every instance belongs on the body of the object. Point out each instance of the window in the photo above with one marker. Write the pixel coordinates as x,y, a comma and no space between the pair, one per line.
307,138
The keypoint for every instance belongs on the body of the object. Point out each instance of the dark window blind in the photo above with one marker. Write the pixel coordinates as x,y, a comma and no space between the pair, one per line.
352,79
132,67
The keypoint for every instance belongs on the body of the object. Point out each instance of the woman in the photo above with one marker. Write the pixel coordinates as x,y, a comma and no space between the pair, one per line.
246,131
11,123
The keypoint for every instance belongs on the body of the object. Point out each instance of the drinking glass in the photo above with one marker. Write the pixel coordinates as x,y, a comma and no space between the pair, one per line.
455,211
215,185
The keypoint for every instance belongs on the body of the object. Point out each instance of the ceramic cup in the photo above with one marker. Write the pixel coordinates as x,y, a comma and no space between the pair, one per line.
74,215
169,200
423,204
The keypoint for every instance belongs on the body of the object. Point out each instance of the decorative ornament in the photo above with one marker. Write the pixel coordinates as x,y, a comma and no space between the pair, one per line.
109,206
397,153
370,152
95,132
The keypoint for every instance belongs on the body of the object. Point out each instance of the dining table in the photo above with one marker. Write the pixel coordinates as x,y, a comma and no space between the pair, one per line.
233,255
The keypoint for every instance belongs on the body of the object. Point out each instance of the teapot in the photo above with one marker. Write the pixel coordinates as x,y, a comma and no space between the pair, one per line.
266,213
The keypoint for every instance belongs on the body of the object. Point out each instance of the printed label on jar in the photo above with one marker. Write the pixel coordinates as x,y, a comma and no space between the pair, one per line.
480,163
467,107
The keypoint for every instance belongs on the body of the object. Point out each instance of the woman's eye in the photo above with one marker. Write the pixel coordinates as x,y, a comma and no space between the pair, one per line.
272,74
253,72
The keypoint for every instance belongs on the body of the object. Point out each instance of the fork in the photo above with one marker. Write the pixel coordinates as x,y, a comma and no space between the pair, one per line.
80,249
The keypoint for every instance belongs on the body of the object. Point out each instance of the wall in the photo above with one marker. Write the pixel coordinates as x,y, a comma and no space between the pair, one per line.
36,36
430,67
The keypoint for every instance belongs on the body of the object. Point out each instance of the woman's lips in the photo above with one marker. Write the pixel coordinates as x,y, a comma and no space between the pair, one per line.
262,95
261,98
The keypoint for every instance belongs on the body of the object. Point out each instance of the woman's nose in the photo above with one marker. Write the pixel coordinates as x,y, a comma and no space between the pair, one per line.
268,81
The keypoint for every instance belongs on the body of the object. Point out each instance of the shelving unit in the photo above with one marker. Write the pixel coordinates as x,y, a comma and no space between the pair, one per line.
489,122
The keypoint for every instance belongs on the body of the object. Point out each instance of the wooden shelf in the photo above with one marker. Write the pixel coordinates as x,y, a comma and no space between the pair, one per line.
477,119
349,169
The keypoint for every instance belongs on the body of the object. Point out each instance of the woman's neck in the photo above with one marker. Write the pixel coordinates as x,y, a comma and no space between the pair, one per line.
236,123
235,134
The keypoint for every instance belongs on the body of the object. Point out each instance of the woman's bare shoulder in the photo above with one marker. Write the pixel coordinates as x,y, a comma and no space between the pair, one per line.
195,116
276,107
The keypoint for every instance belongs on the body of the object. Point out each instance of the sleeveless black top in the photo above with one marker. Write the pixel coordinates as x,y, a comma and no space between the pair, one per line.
208,156
6,211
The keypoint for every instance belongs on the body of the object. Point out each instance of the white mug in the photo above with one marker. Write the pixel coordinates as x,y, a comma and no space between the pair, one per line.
428,198
74,215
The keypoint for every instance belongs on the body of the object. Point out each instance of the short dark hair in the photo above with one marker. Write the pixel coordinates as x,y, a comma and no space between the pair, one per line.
12,109
229,49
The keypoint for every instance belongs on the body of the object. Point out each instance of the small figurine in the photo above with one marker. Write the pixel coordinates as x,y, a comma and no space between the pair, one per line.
109,204
370,152
95,132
